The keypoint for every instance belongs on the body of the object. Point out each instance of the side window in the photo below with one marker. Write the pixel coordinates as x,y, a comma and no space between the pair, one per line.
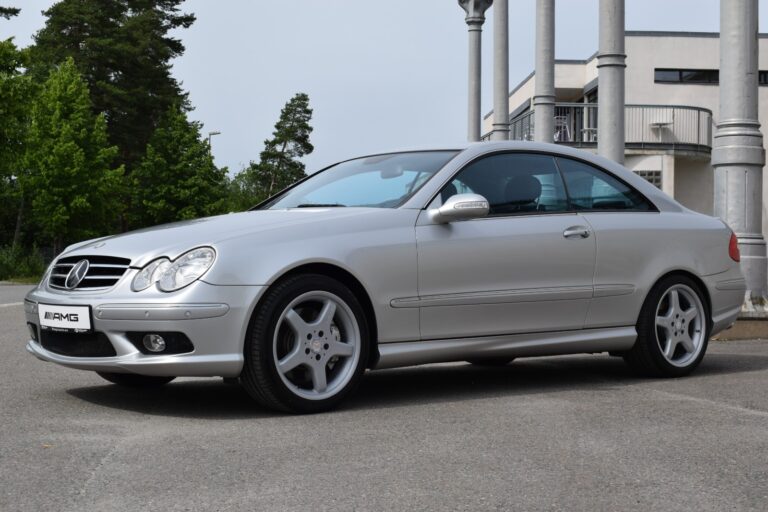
592,189
512,183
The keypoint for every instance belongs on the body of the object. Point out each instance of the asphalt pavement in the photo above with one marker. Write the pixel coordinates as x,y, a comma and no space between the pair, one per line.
567,433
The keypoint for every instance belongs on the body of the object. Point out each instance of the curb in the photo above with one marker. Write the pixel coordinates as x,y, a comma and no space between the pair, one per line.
745,330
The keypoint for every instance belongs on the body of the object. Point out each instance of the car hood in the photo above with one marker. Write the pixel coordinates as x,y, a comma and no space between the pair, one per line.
171,240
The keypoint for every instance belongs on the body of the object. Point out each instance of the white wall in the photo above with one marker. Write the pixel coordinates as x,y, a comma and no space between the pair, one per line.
644,54
694,184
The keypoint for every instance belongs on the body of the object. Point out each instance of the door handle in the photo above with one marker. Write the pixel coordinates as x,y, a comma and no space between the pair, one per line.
576,232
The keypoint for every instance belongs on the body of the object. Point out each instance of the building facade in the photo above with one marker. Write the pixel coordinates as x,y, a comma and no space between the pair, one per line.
672,98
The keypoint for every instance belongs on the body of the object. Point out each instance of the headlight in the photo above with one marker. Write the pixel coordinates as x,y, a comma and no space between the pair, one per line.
186,269
150,274
173,275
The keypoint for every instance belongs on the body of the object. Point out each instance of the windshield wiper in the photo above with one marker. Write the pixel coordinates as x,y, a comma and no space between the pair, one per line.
321,205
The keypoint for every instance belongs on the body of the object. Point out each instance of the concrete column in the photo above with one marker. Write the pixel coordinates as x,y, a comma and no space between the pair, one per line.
500,70
668,175
610,81
475,18
738,156
544,93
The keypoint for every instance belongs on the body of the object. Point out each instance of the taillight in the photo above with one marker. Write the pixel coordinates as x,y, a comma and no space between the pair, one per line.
733,248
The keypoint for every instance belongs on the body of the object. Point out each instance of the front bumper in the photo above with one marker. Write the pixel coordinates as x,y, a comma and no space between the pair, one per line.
214,318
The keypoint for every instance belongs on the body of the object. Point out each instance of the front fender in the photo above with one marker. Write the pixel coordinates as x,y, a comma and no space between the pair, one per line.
378,248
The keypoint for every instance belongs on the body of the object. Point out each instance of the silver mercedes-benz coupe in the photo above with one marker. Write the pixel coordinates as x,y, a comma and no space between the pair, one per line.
481,253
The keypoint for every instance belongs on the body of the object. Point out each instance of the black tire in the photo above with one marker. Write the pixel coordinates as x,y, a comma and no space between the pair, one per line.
260,376
646,356
491,361
132,380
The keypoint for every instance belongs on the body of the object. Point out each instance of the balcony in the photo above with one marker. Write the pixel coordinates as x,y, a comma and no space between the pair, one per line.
646,126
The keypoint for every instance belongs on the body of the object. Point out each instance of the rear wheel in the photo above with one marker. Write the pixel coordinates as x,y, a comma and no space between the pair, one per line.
673,329
307,345
132,380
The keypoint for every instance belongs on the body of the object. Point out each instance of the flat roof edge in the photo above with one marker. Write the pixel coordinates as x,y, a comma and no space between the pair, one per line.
672,33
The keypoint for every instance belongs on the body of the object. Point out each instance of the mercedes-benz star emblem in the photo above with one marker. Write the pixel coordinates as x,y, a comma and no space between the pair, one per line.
76,275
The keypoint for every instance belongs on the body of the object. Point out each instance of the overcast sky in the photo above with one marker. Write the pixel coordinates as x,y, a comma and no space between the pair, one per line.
380,74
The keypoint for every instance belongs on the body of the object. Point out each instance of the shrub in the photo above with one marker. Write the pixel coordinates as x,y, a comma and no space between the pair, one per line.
20,263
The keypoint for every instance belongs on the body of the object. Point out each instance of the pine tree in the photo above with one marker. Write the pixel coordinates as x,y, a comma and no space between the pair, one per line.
123,49
69,161
279,165
177,179
9,12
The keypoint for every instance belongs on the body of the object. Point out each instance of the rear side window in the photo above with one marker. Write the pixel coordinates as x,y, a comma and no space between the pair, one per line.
592,189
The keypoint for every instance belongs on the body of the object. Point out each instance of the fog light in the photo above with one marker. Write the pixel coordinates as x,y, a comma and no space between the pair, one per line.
154,342
32,332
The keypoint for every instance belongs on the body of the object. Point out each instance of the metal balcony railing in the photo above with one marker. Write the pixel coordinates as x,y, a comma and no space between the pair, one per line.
645,126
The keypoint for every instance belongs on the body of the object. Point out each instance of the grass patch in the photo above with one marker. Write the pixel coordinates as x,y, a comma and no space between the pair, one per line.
24,280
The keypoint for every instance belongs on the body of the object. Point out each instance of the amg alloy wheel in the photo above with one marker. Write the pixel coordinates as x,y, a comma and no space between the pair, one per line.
308,345
316,345
680,325
673,329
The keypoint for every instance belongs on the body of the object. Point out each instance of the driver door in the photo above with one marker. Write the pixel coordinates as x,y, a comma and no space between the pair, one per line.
527,267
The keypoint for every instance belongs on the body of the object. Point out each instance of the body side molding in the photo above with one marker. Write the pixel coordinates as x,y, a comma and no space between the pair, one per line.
495,297
613,290
393,355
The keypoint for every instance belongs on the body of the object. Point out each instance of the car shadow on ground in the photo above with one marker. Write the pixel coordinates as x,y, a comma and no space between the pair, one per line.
212,399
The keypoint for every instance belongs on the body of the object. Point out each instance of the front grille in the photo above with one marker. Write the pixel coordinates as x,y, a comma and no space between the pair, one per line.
89,344
103,272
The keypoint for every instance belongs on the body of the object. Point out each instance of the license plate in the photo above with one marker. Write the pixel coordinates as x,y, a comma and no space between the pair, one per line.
65,318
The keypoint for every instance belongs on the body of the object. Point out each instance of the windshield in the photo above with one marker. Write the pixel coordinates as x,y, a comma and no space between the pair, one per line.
381,181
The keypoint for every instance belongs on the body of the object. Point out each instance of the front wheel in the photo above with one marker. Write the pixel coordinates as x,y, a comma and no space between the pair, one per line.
133,380
307,345
673,329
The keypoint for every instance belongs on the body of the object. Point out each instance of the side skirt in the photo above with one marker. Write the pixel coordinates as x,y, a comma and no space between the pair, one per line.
393,355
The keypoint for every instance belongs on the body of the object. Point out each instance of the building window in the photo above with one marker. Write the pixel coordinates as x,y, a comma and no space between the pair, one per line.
666,75
695,76
652,177
686,76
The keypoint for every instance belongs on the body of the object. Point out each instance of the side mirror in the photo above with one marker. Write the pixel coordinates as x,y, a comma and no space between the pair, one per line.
460,207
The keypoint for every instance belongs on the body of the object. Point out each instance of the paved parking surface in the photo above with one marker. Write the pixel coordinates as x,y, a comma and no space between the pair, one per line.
569,433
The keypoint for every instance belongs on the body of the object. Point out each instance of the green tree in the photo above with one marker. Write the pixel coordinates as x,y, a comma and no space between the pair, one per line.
177,178
279,165
241,194
16,91
70,161
9,12
123,49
